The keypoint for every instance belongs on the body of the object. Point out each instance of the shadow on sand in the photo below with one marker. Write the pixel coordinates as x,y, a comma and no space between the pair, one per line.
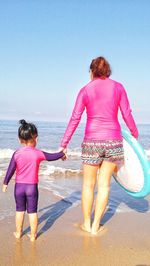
117,196
52,212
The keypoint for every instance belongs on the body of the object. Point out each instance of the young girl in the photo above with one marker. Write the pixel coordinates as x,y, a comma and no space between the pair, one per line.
25,161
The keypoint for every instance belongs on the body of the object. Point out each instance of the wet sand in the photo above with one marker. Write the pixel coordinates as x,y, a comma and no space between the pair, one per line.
125,240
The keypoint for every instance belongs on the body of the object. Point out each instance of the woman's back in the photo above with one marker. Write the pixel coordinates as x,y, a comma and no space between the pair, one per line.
102,100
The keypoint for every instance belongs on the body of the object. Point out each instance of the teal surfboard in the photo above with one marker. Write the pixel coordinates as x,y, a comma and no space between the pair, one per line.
134,175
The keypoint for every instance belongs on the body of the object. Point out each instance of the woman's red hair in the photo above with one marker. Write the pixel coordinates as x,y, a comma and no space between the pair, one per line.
100,67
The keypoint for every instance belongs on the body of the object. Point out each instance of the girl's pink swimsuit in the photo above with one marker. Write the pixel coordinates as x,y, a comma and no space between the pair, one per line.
102,99
26,161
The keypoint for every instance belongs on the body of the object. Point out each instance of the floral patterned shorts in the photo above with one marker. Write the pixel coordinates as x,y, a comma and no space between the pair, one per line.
95,152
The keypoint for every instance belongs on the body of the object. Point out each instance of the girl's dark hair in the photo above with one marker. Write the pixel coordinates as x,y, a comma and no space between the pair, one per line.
27,131
100,67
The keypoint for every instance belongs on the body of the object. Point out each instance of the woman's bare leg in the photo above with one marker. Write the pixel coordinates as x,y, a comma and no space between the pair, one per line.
19,224
89,181
104,179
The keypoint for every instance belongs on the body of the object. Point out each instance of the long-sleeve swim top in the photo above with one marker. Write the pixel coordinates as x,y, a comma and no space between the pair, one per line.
25,161
102,98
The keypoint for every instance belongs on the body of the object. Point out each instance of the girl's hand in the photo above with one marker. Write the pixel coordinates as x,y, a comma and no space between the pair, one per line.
64,157
65,152
4,188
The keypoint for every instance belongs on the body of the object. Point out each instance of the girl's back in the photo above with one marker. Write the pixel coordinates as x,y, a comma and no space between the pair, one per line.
27,160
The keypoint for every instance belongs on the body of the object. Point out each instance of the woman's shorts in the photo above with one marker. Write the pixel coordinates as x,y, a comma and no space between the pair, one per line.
26,197
95,152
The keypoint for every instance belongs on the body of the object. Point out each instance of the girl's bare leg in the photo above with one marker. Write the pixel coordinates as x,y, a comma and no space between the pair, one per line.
19,224
104,179
33,219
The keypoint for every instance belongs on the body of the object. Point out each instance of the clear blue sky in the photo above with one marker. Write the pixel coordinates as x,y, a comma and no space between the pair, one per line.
46,48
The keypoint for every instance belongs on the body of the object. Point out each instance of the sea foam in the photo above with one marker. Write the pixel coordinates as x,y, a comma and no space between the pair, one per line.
6,153
54,171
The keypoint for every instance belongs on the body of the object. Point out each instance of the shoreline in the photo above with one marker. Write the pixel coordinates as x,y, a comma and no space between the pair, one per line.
124,240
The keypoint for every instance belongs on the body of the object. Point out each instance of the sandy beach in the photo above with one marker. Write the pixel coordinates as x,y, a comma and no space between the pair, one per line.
125,239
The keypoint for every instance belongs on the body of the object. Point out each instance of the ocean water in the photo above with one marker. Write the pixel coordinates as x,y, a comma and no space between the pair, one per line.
64,178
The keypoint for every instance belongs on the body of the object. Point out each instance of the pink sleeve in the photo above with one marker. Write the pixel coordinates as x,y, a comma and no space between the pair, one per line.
75,118
126,113
41,156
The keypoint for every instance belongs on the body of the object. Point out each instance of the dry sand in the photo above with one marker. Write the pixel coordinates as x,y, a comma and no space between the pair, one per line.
125,240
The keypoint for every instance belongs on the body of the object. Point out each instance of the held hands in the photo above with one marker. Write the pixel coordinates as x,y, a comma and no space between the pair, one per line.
64,158
64,150
4,188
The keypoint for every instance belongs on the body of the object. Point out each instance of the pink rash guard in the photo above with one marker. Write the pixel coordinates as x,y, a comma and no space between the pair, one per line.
102,99
26,161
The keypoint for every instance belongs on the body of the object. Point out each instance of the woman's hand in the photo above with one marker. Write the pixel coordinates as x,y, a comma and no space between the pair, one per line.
4,188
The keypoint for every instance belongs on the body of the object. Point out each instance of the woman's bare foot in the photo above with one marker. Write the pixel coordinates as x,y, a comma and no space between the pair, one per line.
32,237
96,230
85,228
17,235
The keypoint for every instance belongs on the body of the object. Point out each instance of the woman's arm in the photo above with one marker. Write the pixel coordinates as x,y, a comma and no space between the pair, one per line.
10,171
75,118
126,113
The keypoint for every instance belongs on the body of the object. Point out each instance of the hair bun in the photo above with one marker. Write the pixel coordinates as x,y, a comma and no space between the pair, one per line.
22,122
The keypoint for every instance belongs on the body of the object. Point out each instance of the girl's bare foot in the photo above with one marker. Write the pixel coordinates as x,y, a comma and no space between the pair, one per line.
17,235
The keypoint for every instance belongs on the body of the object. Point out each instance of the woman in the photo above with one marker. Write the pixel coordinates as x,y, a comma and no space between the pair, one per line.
102,147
